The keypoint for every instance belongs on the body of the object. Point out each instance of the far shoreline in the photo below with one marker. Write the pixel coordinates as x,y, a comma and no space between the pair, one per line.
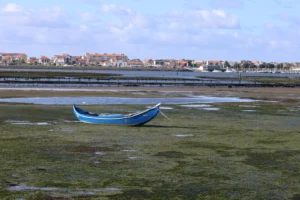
77,67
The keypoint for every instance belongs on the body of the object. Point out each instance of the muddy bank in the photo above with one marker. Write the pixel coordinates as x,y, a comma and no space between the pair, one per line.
265,93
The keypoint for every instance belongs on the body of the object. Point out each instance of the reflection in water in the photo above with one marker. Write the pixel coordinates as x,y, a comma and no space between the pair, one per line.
28,123
196,105
184,135
73,191
121,100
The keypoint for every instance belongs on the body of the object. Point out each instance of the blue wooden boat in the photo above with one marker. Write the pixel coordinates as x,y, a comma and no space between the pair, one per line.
132,119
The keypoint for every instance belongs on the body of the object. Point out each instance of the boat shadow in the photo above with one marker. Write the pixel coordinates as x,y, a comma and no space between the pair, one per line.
165,126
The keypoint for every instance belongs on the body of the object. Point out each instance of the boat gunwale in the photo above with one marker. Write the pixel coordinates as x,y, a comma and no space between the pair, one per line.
125,116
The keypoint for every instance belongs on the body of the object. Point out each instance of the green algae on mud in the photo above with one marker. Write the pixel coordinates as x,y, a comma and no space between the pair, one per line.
229,154
88,92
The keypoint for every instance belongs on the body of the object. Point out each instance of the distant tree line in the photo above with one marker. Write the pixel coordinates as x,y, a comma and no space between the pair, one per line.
250,66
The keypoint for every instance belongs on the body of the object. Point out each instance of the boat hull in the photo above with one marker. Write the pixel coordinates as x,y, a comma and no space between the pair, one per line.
133,119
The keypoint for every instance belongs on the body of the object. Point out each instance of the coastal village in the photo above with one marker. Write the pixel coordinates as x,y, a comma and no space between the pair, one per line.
122,61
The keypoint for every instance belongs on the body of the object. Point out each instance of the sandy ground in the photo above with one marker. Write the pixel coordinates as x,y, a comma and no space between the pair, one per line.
187,89
266,93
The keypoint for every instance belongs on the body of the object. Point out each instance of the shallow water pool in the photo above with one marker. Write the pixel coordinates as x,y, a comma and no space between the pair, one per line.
121,100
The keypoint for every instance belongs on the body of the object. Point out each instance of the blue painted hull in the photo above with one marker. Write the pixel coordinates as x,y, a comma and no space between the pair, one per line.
133,119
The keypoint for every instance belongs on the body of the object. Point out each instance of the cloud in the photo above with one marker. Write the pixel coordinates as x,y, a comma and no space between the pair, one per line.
88,17
286,3
35,26
199,19
281,44
13,14
192,4
116,9
191,34
126,30
168,29
95,2
294,20
227,3
276,38
10,8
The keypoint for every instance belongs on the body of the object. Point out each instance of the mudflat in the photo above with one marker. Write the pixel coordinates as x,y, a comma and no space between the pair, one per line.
264,92
233,150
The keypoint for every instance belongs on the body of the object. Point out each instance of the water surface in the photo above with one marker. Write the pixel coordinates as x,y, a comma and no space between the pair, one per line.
170,74
121,100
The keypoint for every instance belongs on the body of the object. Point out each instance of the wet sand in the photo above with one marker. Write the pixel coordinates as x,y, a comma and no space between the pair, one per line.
266,93
193,89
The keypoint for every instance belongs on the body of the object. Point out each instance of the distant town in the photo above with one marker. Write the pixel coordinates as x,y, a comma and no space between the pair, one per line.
122,61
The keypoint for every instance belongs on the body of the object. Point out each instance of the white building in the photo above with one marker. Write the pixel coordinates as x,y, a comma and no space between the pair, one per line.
62,59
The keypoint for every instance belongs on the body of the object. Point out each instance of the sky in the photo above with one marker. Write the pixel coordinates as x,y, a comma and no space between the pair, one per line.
233,30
